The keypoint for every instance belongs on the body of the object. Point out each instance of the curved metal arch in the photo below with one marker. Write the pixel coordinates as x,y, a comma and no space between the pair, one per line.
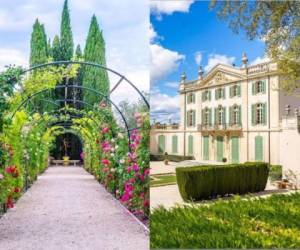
122,77
78,87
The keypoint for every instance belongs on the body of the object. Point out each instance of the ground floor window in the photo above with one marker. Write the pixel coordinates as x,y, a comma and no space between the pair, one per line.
174,144
161,143
190,145
258,148
206,148
234,149
220,148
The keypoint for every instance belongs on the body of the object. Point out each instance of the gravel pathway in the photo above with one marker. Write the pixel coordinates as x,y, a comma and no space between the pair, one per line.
68,209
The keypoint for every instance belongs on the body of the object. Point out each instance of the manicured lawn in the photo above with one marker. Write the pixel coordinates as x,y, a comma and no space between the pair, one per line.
162,180
272,222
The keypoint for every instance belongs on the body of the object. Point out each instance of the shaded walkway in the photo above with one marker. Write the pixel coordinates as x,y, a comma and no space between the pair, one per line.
68,209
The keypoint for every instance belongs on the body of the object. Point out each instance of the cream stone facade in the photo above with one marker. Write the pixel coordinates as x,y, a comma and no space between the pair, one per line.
234,115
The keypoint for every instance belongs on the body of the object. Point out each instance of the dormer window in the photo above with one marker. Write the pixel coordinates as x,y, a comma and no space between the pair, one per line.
258,87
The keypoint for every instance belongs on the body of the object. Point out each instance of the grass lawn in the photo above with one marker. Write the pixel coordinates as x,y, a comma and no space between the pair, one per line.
162,180
272,222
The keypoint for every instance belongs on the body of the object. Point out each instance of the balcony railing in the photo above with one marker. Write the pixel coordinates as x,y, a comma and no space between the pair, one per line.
220,127
165,126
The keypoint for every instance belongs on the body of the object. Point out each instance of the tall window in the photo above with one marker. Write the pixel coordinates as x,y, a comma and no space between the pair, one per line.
206,116
191,98
174,144
220,93
191,118
220,115
190,145
258,87
161,143
235,114
259,148
206,95
259,114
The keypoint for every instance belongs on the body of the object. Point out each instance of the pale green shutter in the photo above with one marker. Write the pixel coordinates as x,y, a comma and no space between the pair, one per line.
161,144
239,90
202,116
194,117
240,115
223,93
220,148
263,86
215,116
224,116
190,145
264,113
203,96
253,114
210,116
235,149
230,115
258,148
205,148
216,94
209,94
253,88
231,91
174,144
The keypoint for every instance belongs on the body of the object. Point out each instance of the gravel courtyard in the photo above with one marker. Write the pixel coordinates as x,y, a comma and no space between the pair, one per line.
68,209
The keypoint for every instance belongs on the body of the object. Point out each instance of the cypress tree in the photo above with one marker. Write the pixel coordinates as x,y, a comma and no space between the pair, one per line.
38,45
94,51
56,49
66,37
78,52
49,48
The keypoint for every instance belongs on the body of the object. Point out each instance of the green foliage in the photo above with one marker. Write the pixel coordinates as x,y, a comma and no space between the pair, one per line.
56,53
275,172
66,36
94,51
162,180
256,223
204,182
278,23
175,158
38,45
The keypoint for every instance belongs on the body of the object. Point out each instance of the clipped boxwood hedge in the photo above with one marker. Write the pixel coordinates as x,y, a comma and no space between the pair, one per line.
175,158
204,182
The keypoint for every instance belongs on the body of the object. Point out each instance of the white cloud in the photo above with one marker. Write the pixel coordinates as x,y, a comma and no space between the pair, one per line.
198,57
159,7
152,34
10,56
163,61
214,59
173,85
259,60
127,46
163,106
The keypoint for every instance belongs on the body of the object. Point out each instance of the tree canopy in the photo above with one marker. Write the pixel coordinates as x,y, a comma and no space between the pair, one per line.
275,22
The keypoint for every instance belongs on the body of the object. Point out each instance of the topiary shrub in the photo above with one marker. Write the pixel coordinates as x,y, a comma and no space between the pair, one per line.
205,182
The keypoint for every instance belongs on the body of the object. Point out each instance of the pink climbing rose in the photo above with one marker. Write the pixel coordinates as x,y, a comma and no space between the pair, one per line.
105,130
105,162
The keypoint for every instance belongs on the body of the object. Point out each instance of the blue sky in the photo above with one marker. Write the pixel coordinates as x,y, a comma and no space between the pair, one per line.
127,43
184,35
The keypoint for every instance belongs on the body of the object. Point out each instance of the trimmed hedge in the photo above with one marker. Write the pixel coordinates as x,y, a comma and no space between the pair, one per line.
205,182
175,158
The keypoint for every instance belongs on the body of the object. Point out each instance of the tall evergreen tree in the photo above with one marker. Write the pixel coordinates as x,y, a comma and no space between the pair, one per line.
56,49
78,52
66,37
49,48
94,51
38,45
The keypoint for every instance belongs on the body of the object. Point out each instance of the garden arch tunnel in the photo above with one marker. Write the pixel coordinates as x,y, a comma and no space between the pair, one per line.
26,101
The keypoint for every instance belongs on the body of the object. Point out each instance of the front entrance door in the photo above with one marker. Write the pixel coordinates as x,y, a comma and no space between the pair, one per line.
235,149
220,148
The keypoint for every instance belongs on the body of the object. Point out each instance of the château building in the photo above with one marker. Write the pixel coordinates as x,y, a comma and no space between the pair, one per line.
234,115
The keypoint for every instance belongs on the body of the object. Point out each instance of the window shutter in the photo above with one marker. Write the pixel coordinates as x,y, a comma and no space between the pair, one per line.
203,96
231,91
174,144
239,90
188,118
230,115
190,146
210,116
215,116
253,111
258,148
264,114
224,116
209,94
223,93
216,94
264,86
240,115
194,97
202,116
194,117
253,88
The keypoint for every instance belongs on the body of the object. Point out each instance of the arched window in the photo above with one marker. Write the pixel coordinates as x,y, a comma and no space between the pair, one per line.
161,144
206,115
